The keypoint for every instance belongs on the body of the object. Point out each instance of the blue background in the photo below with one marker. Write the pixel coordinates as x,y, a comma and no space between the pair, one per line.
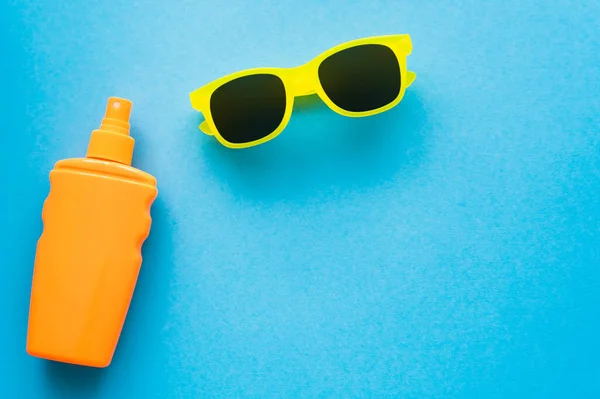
448,248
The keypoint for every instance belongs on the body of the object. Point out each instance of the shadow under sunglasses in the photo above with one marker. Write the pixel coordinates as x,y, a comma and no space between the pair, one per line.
320,150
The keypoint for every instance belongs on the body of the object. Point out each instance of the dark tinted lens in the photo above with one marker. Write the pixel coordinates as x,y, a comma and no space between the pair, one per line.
361,78
248,108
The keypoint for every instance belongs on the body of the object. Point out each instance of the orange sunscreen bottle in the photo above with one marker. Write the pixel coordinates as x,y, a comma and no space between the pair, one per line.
96,219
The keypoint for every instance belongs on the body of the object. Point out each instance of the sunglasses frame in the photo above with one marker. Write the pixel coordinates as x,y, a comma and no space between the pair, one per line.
304,81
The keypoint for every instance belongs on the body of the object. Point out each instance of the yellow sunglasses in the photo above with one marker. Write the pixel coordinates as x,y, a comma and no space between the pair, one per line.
359,78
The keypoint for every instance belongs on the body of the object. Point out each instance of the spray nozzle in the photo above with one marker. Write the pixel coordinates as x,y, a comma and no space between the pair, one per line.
111,141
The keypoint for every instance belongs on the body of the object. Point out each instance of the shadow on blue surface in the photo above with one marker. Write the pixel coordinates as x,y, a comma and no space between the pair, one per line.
68,380
321,150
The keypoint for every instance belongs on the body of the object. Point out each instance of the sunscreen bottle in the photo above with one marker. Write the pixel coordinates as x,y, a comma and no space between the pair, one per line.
96,219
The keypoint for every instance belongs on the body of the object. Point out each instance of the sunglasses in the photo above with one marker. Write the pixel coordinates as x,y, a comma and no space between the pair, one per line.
359,78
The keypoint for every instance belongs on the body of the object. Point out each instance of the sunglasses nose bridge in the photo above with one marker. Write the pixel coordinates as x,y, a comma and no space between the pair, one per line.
302,82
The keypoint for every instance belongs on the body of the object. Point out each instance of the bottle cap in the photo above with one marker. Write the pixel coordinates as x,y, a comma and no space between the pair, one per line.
111,142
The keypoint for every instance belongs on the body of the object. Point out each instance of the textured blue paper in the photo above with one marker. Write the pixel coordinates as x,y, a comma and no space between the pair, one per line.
449,248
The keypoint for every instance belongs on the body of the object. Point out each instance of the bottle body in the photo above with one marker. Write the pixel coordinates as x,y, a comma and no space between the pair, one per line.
96,219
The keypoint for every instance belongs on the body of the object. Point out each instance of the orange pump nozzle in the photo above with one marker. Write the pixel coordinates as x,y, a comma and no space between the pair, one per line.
117,113
111,142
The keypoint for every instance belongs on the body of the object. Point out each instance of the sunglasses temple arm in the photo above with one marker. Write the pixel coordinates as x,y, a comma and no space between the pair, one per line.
410,77
206,129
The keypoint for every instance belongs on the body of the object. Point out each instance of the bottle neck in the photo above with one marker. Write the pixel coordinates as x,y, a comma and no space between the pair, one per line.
109,146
